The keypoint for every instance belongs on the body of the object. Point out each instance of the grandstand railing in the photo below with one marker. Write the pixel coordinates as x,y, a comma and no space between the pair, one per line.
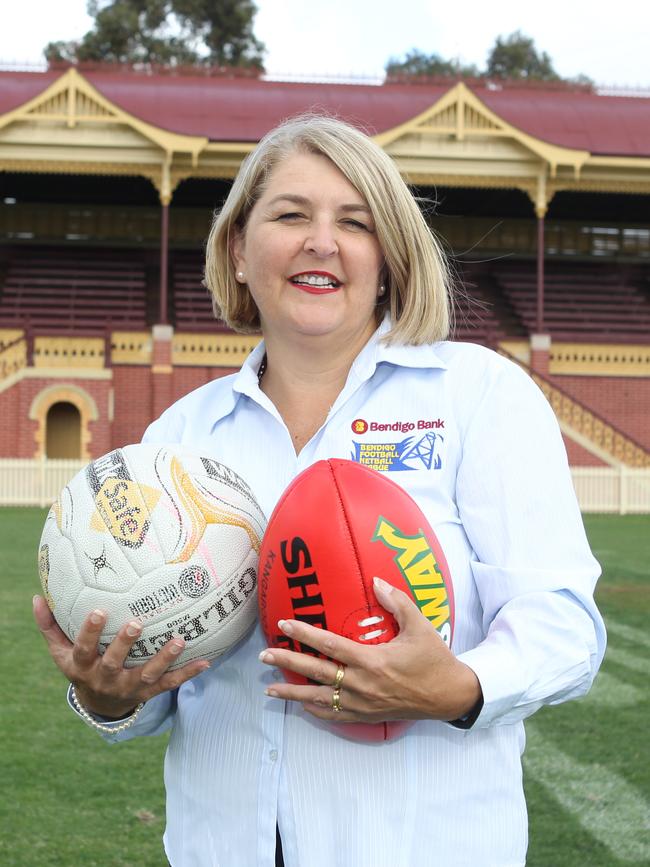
616,490
584,421
13,357
110,224
61,349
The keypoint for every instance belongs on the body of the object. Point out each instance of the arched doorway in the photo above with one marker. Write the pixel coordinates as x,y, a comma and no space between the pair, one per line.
63,413
63,431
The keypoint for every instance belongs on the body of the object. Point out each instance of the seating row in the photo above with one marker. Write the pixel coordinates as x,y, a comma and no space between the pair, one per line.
52,290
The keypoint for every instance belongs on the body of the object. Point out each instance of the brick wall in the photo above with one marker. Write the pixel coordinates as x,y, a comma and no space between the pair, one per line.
622,401
134,404
579,456
133,407
18,432
9,422
186,379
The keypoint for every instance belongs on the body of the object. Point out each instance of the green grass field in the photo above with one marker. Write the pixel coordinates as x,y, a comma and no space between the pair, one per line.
71,800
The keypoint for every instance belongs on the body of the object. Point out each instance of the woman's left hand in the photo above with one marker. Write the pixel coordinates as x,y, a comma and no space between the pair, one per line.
414,676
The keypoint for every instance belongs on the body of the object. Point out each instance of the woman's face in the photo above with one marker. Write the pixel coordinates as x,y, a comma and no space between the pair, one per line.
310,255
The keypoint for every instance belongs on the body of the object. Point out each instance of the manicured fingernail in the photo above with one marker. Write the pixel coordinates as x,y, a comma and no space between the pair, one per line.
271,692
285,626
133,628
176,647
97,616
266,656
383,585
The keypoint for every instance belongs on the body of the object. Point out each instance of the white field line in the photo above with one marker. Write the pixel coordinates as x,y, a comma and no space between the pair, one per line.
610,691
628,633
627,659
609,808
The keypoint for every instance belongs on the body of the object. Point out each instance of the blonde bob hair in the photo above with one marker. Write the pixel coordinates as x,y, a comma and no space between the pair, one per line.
416,273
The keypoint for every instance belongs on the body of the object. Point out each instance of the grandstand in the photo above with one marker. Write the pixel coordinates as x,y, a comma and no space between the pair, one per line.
108,179
192,304
74,291
591,302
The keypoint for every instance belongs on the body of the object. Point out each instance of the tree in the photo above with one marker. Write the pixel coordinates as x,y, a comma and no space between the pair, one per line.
511,57
416,63
515,57
166,32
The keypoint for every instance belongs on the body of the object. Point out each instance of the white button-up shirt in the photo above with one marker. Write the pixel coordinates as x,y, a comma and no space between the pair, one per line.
473,440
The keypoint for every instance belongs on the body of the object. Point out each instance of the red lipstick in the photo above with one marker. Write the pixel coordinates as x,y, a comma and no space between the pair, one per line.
315,282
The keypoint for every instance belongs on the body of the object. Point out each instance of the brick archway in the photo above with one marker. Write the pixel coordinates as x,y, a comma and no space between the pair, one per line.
79,398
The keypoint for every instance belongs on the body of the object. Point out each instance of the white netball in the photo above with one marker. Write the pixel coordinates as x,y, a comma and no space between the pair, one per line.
159,534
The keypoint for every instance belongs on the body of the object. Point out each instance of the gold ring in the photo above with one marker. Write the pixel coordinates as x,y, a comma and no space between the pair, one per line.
336,700
340,674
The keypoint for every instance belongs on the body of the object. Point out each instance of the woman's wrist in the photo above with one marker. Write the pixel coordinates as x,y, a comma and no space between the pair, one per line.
468,694
109,711
105,725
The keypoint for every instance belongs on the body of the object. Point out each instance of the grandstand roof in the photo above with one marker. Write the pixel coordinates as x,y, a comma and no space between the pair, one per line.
242,109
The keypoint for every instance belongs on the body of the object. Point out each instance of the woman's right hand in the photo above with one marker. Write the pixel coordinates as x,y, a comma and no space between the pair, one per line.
102,683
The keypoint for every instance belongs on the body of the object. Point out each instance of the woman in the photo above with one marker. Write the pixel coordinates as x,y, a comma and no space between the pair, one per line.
321,245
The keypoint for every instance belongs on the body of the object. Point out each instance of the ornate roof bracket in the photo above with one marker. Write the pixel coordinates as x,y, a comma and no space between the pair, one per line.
460,116
72,128
115,140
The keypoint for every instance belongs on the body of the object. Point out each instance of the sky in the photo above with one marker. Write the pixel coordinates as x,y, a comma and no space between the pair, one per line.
355,38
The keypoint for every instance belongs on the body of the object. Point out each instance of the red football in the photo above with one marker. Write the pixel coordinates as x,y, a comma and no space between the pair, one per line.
336,526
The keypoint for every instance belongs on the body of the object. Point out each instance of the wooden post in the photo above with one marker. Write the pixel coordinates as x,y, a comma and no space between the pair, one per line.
540,274
540,342
162,368
164,262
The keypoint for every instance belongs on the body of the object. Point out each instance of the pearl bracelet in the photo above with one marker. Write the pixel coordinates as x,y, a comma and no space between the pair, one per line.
102,727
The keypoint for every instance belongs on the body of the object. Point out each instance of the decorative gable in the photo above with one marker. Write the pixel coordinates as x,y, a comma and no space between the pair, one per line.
459,136
71,127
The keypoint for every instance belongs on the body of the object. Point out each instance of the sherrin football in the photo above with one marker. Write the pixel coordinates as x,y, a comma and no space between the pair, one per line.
336,526
160,534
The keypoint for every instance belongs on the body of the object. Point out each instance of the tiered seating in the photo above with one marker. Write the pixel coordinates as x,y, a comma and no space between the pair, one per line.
588,302
480,313
475,320
73,290
192,303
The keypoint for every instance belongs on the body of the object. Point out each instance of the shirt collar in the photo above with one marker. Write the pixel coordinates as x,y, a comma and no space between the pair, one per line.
373,353
401,355
246,380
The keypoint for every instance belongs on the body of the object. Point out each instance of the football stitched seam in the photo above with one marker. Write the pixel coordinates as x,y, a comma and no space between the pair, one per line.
359,575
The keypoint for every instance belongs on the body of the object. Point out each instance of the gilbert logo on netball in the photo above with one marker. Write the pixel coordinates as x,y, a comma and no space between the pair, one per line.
412,452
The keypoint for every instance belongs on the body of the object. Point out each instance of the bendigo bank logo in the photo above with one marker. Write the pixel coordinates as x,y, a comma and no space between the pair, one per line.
420,448
421,571
361,426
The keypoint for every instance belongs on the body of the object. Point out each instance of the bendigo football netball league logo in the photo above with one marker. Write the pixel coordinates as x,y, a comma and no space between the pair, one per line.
422,572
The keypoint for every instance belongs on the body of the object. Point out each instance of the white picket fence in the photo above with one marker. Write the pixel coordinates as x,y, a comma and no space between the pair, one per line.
28,482
620,490
600,489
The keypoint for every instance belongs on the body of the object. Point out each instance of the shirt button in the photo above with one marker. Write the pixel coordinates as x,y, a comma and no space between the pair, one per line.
273,755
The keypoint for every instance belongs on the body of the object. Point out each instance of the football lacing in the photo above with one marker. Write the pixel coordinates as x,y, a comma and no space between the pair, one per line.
371,621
